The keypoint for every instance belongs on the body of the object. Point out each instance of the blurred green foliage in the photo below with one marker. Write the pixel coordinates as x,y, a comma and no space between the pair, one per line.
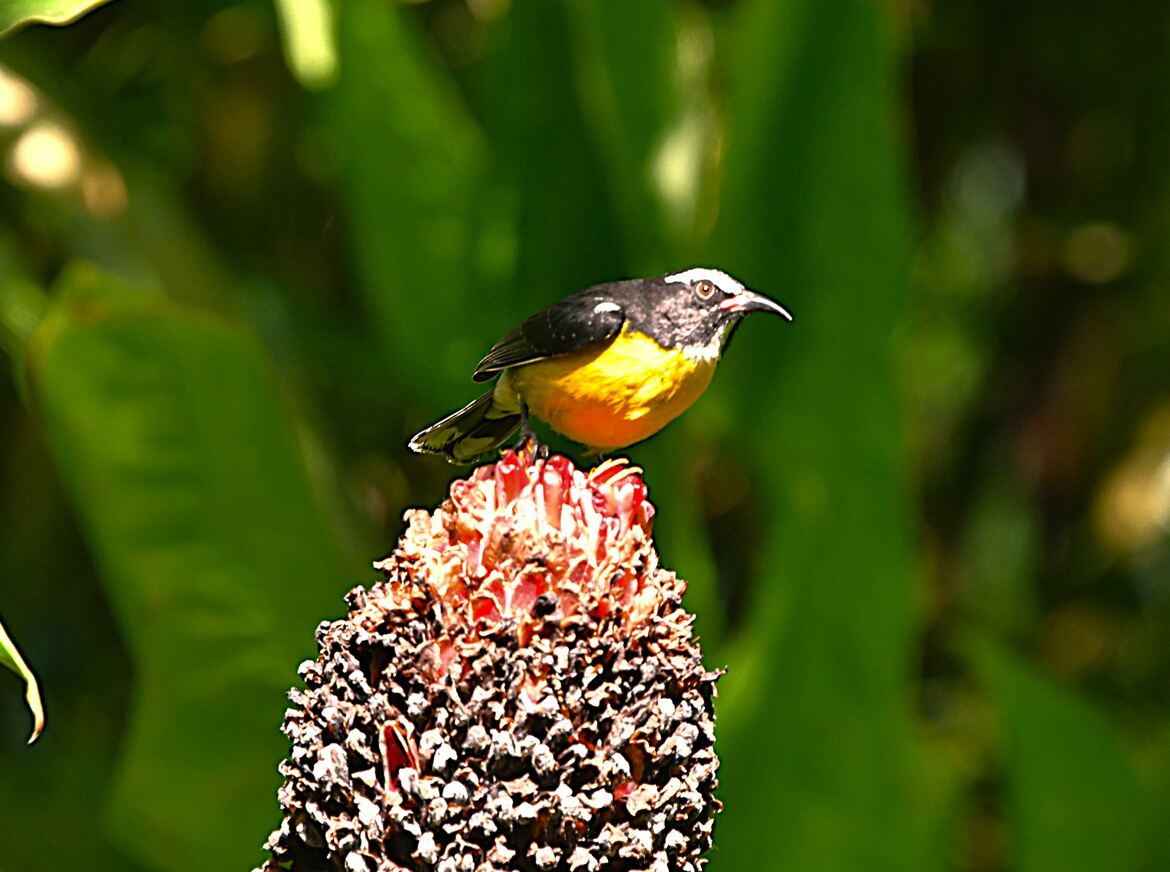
169,433
247,249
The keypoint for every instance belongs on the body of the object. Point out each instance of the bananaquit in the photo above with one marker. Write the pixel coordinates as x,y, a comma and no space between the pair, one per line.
607,367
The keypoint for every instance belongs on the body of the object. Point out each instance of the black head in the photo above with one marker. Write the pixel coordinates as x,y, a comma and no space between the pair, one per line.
696,309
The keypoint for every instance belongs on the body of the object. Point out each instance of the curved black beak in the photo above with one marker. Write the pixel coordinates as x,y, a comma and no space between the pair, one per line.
750,301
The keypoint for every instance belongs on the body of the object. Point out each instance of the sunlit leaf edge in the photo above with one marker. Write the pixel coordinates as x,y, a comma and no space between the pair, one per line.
10,657
18,13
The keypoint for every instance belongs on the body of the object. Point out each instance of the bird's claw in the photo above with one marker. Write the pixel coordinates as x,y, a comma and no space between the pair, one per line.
531,448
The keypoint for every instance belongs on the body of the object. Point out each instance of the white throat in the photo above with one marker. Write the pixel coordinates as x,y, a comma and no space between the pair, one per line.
709,353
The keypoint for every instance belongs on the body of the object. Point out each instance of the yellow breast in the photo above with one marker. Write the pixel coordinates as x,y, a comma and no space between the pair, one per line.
615,396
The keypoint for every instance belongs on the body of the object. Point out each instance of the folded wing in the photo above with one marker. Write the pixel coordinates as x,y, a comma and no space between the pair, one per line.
575,323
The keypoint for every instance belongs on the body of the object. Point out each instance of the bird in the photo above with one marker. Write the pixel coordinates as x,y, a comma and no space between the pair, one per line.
606,367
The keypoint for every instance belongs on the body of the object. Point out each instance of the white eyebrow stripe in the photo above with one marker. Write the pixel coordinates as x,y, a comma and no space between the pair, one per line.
606,307
717,276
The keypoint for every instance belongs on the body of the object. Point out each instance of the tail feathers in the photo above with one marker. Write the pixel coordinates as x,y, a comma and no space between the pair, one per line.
464,436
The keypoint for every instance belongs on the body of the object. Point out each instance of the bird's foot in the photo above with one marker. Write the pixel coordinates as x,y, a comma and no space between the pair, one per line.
529,447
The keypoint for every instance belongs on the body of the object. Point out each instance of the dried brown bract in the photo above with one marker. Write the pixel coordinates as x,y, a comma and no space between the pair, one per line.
522,691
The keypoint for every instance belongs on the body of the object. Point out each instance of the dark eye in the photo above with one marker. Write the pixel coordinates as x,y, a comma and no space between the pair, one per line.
705,289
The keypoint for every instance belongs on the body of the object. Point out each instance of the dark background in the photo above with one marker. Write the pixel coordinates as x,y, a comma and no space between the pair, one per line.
244,254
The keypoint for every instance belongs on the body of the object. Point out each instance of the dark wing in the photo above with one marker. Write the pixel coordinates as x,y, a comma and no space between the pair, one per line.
575,323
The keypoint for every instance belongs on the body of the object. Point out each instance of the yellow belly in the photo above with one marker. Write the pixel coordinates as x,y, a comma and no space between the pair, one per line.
612,397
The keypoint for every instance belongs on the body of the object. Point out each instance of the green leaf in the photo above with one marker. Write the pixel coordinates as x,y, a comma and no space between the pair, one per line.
10,657
412,163
16,13
567,235
817,736
182,463
1074,799
644,111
